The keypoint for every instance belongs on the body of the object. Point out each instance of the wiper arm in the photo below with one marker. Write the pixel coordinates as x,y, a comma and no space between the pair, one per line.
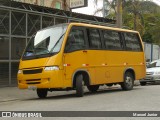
31,51
42,48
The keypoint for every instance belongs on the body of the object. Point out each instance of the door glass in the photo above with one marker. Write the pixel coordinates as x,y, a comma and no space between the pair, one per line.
76,41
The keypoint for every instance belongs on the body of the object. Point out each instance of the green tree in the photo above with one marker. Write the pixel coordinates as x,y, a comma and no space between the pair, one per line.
151,16
155,28
130,7
140,15
138,10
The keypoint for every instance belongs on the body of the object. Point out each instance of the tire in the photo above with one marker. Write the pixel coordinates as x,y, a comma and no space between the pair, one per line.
93,88
143,83
128,81
79,86
42,93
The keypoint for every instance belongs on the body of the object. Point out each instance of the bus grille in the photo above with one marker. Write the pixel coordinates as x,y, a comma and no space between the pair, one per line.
33,81
35,71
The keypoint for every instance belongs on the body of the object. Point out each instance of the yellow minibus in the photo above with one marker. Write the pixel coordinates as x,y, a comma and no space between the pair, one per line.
70,56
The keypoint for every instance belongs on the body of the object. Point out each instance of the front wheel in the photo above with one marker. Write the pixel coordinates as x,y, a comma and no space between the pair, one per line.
128,81
42,93
93,88
79,85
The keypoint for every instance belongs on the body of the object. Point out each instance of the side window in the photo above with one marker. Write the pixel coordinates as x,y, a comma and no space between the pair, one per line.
112,40
94,39
75,41
132,42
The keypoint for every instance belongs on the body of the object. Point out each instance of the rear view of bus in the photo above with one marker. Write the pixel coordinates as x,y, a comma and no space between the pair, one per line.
71,56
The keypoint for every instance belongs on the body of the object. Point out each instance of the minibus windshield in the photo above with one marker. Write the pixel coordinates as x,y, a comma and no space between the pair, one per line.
154,64
45,42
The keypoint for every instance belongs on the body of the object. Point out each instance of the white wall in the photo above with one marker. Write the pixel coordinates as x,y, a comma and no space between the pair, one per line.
152,51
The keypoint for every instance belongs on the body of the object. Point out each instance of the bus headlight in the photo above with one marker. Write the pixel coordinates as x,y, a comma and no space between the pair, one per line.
49,68
19,71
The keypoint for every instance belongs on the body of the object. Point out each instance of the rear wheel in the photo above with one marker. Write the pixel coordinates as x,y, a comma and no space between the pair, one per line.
93,88
79,86
128,81
42,93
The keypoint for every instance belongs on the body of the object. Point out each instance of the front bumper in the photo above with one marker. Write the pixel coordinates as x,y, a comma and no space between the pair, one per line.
151,78
45,79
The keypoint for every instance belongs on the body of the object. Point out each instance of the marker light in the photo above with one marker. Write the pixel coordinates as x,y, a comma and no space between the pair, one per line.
19,71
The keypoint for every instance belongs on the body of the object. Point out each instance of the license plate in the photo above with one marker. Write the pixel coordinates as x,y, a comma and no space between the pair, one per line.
32,87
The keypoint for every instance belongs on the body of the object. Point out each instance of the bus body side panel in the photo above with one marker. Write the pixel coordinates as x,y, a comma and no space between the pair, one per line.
96,63
119,61
114,61
137,62
91,60
76,61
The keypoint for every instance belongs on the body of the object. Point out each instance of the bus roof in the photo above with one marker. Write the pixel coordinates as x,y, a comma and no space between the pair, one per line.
101,27
91,25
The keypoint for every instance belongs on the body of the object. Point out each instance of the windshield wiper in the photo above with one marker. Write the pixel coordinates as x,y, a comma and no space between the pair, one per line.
29,53
42,48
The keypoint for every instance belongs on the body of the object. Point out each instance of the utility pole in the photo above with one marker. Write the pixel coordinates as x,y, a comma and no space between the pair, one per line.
104,7
105,11
119,14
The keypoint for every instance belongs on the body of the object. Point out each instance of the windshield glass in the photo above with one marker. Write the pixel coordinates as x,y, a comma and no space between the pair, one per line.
154,64
45,42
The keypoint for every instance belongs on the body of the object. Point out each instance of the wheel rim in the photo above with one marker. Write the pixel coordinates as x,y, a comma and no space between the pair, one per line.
129,81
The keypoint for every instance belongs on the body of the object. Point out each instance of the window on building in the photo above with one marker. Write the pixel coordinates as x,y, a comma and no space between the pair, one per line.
19,0
42,2
4,49
4,22
58,5
4,73
60,20
14,70
17,47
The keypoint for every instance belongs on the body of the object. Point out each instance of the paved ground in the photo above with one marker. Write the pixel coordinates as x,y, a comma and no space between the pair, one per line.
13,93
141,98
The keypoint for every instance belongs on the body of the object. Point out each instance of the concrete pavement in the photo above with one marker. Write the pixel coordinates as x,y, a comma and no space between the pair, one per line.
14,93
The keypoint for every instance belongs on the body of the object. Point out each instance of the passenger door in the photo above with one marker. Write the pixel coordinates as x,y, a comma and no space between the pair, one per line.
75,54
